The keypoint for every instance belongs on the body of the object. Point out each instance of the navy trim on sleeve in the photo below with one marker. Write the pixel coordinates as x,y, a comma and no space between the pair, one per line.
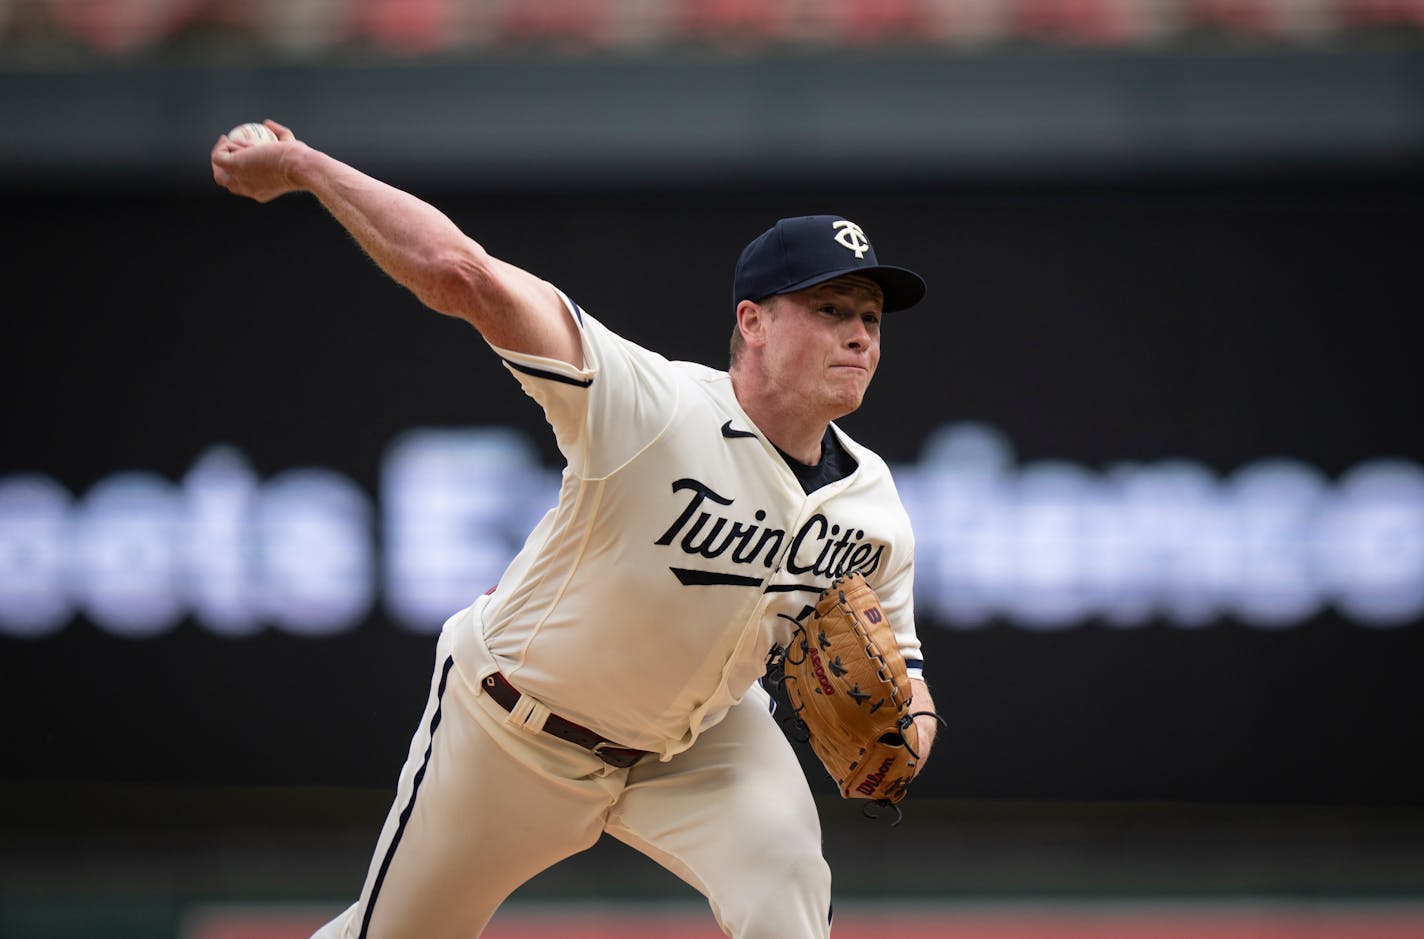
552,376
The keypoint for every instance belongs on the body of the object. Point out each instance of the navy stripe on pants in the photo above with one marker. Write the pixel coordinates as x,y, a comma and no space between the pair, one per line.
410,805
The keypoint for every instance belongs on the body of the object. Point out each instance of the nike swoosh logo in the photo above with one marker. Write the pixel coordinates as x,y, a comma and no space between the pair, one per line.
730,433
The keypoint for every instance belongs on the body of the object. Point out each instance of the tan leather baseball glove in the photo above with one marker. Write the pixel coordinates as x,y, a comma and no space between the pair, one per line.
846,681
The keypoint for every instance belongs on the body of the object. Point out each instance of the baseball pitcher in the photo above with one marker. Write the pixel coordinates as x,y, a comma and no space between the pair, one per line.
708,523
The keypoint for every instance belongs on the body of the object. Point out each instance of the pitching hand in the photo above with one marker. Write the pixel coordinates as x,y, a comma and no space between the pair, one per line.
256,170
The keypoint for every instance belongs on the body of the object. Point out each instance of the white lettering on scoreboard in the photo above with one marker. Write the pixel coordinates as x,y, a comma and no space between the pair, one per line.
1049,545
1043,546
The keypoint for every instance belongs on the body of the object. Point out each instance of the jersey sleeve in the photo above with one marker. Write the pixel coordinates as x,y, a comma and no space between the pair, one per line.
605,413
895,585
897,595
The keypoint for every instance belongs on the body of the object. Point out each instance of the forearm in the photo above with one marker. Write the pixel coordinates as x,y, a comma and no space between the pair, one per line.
411,240
926,724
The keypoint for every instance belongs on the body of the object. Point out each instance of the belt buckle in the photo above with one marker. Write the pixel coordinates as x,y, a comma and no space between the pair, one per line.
620,757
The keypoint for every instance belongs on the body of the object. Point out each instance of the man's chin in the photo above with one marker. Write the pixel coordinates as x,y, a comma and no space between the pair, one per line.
848,405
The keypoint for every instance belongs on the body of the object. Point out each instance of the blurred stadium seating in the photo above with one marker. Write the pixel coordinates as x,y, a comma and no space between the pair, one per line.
415,27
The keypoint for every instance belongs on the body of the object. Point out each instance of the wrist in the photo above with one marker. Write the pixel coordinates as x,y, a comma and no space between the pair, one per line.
295,165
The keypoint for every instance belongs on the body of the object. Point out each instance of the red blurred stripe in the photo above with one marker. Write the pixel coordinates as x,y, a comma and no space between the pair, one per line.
1054,922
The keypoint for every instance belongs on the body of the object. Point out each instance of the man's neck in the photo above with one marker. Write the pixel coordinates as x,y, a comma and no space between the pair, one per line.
796,434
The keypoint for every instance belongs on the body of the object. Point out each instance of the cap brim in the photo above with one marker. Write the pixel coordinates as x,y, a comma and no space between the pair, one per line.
902,288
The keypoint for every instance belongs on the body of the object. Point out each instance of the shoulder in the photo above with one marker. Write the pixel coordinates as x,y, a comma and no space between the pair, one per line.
873,478
703,374
612,351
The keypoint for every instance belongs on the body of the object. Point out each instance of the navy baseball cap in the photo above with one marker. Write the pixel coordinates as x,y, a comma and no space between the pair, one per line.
797,253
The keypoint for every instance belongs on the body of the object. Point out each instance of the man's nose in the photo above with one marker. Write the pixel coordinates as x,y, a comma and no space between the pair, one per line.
858,336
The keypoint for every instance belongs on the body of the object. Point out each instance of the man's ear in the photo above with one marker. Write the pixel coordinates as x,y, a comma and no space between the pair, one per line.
751,320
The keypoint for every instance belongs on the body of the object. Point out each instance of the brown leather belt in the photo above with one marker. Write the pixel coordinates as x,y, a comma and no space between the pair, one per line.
507,696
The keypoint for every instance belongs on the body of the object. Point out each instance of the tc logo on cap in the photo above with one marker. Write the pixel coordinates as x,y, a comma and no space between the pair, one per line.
851,237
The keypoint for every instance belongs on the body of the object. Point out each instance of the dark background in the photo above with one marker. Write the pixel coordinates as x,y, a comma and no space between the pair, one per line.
1224,315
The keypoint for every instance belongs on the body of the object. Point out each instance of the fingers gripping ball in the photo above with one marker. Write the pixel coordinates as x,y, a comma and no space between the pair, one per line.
848,683
252,133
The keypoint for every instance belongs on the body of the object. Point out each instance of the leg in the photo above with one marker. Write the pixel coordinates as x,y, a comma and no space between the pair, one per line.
481,807
733,817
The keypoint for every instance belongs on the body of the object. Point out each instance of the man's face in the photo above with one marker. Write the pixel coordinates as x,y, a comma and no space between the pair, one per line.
823,344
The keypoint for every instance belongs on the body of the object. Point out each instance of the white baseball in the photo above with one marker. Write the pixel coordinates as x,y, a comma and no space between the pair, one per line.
252,133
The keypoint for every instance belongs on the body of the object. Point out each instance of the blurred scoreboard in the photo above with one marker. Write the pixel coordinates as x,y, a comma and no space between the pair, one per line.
1045,546
1160,441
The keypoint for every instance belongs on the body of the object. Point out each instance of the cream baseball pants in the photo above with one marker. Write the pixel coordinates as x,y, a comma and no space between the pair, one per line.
484,804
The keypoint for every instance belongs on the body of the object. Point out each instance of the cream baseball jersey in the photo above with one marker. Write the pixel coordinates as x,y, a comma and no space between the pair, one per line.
682,547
